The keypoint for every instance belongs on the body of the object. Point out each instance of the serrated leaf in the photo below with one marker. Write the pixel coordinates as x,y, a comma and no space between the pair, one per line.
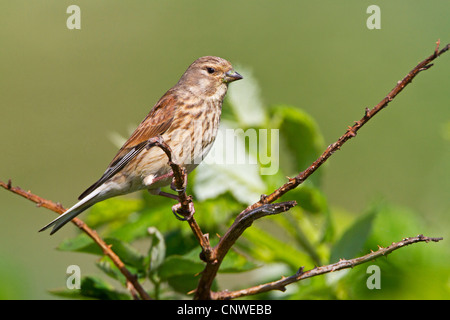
222,172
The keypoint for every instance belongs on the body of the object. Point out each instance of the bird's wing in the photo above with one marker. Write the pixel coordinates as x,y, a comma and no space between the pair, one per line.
156,123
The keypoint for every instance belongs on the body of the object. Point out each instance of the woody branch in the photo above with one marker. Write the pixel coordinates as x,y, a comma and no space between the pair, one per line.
301,274
204,288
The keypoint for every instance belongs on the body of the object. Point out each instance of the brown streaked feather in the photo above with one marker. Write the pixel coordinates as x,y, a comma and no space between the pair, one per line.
155,123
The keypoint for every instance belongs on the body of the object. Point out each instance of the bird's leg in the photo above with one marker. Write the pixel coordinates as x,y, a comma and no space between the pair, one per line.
168,195
175,208
158,192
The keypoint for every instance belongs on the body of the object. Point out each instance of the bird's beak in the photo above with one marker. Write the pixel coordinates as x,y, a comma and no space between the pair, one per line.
231,76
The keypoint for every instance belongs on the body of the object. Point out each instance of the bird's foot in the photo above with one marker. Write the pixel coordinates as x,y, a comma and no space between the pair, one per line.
182,214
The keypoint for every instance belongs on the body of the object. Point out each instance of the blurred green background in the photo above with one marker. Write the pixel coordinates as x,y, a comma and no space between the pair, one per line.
63,92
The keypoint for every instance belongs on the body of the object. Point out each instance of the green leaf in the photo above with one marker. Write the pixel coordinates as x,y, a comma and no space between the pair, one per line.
354,238
300,139
112,210
92,288
309,197
235,262
220,172
269,248
128,254
183,283
157,212
176,265
82,243
216,212
137,226
109,268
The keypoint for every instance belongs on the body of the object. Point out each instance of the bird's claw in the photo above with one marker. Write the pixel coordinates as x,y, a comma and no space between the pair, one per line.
181,214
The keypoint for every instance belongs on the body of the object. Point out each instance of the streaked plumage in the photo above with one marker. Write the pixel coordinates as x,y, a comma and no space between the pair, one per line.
186,117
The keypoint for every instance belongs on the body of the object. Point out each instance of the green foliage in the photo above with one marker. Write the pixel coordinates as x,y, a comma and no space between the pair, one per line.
164,254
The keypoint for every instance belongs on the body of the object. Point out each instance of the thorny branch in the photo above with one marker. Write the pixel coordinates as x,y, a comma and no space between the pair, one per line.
351,131
301,274
204,288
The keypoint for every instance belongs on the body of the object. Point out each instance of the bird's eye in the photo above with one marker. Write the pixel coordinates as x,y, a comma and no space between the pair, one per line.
210,70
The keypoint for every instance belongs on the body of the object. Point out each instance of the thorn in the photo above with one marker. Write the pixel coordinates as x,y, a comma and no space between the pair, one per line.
192,292
436,51
351,131
9,185
428,66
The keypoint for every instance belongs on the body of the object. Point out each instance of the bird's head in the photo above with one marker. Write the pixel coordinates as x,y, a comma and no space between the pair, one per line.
209,76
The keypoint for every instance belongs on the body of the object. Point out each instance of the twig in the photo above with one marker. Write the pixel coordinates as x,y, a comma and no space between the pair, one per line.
351,131
132,282
301,275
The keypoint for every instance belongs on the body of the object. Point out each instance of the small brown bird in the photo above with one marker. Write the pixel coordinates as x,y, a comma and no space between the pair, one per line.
186,118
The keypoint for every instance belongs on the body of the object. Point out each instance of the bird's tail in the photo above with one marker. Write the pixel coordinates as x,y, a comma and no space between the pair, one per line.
72,212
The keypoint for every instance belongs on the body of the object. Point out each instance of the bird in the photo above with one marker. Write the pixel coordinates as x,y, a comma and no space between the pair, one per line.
186,118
